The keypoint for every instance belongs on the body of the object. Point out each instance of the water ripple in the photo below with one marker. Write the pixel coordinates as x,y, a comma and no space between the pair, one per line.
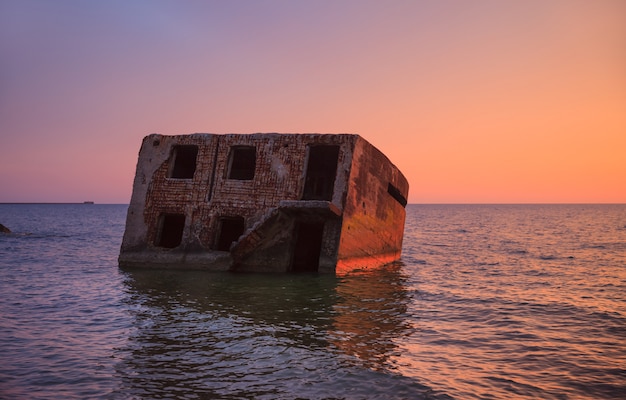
488,302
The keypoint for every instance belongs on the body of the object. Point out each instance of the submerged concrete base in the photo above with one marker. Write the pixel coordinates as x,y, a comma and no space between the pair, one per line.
209,261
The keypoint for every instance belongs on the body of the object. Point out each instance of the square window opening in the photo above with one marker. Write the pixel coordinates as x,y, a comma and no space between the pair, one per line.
242,163
230,229
171,228
184,160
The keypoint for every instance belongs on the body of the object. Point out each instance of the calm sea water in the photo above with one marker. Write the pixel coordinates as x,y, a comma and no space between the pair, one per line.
489,302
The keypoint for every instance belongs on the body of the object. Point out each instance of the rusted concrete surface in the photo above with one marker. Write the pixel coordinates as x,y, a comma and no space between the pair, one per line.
264,202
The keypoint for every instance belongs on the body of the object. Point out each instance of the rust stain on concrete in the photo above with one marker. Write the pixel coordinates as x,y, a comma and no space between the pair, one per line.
264,202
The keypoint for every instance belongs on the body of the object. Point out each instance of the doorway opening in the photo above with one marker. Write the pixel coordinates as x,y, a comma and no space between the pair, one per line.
308,247
320,173
230,229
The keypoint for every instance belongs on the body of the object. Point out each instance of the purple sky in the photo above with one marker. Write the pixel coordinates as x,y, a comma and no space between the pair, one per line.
475,101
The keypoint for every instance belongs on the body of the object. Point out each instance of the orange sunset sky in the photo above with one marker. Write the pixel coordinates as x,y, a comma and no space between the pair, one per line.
475,101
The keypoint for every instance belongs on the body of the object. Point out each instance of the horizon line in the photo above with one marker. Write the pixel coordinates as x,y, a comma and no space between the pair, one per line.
408,204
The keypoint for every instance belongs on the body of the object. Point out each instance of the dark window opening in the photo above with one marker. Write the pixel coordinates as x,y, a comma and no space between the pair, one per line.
396,194
242,163
231,228
184,160
320,173
170,230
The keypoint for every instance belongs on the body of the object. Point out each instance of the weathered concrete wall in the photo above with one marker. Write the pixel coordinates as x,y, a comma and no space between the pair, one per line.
374,211
281,164
154,193
210,195
276,253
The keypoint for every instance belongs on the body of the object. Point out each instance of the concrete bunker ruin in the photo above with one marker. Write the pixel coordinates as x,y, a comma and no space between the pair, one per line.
264,202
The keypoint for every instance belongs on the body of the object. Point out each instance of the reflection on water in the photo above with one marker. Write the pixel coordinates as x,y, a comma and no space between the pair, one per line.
266,336
490,302
371,316
517,301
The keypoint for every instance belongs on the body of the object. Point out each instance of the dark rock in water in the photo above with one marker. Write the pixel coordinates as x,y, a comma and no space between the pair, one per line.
4,229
